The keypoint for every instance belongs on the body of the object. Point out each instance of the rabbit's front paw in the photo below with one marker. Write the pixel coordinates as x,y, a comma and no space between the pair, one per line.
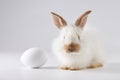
71,68
64,68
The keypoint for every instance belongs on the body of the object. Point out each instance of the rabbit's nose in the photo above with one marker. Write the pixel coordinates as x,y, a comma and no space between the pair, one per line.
72,48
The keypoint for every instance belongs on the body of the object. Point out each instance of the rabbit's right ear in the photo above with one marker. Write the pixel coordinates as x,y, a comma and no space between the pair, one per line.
81,21
58,20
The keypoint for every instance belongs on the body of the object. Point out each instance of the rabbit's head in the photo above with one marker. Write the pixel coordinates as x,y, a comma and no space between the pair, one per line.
70,34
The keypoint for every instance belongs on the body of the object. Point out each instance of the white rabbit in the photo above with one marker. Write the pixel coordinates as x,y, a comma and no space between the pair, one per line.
76,47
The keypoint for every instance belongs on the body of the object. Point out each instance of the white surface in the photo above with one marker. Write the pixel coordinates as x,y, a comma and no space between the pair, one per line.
12,69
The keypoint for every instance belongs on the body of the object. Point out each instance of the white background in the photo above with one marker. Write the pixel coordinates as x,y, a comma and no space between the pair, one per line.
28,23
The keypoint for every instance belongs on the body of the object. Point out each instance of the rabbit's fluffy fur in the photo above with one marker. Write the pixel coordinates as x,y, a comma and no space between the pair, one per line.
90,54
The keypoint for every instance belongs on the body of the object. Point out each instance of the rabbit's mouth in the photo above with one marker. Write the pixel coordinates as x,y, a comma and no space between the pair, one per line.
72,47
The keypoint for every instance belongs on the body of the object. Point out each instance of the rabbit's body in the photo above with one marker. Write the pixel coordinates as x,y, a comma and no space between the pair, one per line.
78,48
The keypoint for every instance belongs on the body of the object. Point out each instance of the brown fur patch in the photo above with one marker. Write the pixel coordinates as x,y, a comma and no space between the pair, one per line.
96,65
64,68
70,68
73,47
74,69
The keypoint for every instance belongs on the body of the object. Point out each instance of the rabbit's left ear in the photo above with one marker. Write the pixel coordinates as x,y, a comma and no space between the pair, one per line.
81,21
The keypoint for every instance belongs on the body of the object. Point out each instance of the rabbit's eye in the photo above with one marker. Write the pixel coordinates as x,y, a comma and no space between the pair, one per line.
64,37
78,36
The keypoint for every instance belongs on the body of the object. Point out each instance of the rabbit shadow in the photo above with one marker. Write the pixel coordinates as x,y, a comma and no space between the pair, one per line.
50,67
108,68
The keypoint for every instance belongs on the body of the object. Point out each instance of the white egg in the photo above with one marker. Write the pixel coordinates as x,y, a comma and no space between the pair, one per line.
34,57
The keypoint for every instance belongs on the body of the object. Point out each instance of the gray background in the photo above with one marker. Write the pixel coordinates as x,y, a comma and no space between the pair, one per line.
27,23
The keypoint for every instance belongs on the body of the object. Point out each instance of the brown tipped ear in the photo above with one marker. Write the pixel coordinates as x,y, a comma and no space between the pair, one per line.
81,21
58,20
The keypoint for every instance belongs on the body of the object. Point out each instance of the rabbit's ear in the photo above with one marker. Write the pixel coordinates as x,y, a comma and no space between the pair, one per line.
58,20
81,21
